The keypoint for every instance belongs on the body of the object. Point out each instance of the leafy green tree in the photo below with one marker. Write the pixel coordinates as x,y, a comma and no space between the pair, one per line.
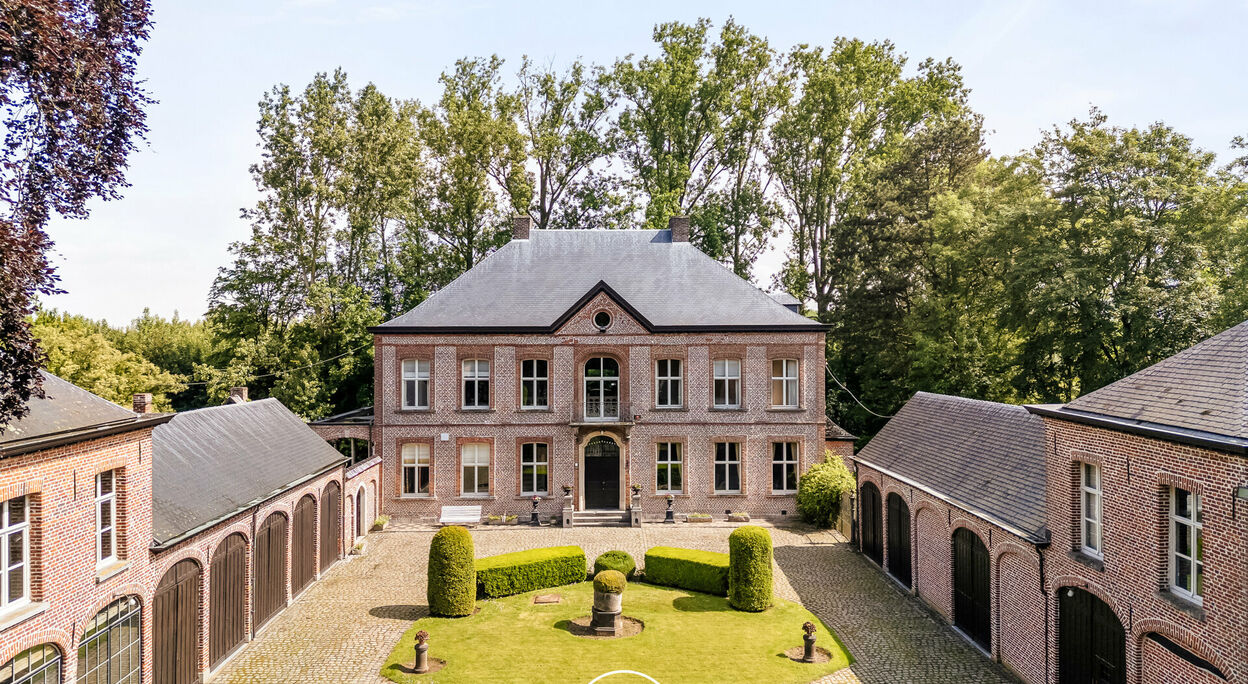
174,345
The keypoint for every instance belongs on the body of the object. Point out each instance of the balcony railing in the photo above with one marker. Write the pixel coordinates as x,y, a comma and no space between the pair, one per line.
595,410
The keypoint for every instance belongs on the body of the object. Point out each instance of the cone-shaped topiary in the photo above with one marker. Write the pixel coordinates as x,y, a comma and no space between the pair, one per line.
452,585
610,582
616,560
749,568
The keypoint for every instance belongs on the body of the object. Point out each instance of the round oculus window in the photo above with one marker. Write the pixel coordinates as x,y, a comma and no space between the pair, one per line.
602,320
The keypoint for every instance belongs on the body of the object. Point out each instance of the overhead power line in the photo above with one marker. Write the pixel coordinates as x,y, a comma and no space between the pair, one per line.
290,370
851,394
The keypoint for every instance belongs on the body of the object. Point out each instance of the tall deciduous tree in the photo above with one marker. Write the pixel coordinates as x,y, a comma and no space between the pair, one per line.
72,111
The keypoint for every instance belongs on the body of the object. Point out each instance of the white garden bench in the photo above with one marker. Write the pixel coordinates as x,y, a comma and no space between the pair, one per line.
460,515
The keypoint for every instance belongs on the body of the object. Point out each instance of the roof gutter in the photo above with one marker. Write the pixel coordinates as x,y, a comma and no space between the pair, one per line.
83,434
1208,440
547,330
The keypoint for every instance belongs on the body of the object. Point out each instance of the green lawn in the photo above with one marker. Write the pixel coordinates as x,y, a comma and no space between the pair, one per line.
689,637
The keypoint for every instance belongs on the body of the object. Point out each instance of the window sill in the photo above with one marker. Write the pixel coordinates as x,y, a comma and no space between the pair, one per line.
664,495
418,497
474,497
783,494
110,570
728,409
736,495
414,409
533,409
1183,604
529,497
670,409
784,409
476,409
15,616
1088,560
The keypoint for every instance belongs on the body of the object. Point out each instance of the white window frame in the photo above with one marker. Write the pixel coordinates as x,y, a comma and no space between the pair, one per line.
787,382
536,457
416,457
478,375
1091,509
1194,525
475,455
105,552
596,387
722,372
789,458
415,374
7,564
675,383
732,459
664,461
531,379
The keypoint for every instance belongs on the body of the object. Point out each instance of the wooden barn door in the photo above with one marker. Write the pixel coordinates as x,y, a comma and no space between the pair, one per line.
331,525
972,605
227,598
303,545
270,570
870,521
1091,645
176,628
899,539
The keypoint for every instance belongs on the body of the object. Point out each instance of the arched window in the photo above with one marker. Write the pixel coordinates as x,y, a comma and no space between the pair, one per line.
38,665
111,648
602,388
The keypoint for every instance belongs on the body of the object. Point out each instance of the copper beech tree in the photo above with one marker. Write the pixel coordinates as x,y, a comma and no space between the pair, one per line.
72,112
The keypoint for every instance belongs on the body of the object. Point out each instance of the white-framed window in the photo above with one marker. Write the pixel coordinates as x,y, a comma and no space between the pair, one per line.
416,471
1090,506
15,552
669,384
534,468
105,517
669,477
783,467
784,383
415,384
602,388
727,383
727,468
534,384
475,459
1187,545
476,383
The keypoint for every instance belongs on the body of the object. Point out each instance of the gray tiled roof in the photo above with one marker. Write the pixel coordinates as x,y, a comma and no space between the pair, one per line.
65,407
1204,387
211,462
986,457
532,284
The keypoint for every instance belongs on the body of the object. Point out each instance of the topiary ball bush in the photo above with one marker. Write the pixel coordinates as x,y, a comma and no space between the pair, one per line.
452,585
616,560
749,568
821,490
610,582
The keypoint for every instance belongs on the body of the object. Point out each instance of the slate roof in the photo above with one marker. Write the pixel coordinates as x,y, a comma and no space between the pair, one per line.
359,416
67,411
533,285
982,456
212,462
1203,388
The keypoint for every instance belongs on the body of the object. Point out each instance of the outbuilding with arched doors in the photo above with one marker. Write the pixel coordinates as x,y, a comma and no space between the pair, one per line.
175,630
871,523
331,524
1091,643
227,598
269,573
899,565
972,587
303,545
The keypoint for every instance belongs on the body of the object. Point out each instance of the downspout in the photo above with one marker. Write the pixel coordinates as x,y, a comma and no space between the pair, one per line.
853,512
1041,547
255,510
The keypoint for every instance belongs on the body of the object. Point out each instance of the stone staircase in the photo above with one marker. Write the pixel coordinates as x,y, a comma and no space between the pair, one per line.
600,518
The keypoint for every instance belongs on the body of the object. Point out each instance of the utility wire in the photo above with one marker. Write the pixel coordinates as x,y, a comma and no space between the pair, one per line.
290,370
851,394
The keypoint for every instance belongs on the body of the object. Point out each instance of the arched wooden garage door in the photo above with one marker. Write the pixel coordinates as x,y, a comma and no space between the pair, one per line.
227,598
1091,642
303,545
270,569
899,538
972,605
176,629
331,524
870,521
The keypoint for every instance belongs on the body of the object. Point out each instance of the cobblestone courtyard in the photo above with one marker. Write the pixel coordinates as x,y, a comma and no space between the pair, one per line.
343,627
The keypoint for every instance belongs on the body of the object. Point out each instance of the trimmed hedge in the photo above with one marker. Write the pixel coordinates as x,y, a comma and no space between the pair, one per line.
610,582
704,571
516,573
749,568
452,586
619,561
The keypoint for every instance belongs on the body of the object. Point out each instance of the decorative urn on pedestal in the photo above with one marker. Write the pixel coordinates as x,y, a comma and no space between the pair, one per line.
608,601
808,642
422,652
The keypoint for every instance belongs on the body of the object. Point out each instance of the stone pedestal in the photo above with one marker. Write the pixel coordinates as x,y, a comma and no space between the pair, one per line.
566,521
603,621
634,518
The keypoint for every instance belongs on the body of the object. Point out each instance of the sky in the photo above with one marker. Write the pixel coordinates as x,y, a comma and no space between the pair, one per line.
1030,65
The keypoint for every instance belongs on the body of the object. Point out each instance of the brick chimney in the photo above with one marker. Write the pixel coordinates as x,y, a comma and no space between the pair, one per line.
238,395
143,403
520,226
679,225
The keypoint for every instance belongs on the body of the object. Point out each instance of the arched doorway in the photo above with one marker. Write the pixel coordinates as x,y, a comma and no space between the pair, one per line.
110,650
360,519
1091,647
176,625
870,523
972,605
38,665
303,545
899,539
270,569
227,598
601,474
602,388
331,524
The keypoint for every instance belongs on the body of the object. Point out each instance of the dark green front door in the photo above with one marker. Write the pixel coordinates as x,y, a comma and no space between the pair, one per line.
602,474
1091,643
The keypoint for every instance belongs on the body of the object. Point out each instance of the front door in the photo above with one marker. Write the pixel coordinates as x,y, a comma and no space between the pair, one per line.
1091,641
602,474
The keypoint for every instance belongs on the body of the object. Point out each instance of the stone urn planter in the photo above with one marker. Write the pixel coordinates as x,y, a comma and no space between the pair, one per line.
608,601
422,652
808,642
698,518
739,517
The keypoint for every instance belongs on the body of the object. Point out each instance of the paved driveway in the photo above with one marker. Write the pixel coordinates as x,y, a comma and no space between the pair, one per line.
342,628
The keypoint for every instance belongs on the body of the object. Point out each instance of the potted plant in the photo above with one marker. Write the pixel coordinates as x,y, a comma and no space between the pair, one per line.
808,642
380,523
422,652
567,490
636,490
738,516
533,516
698,517
608,600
